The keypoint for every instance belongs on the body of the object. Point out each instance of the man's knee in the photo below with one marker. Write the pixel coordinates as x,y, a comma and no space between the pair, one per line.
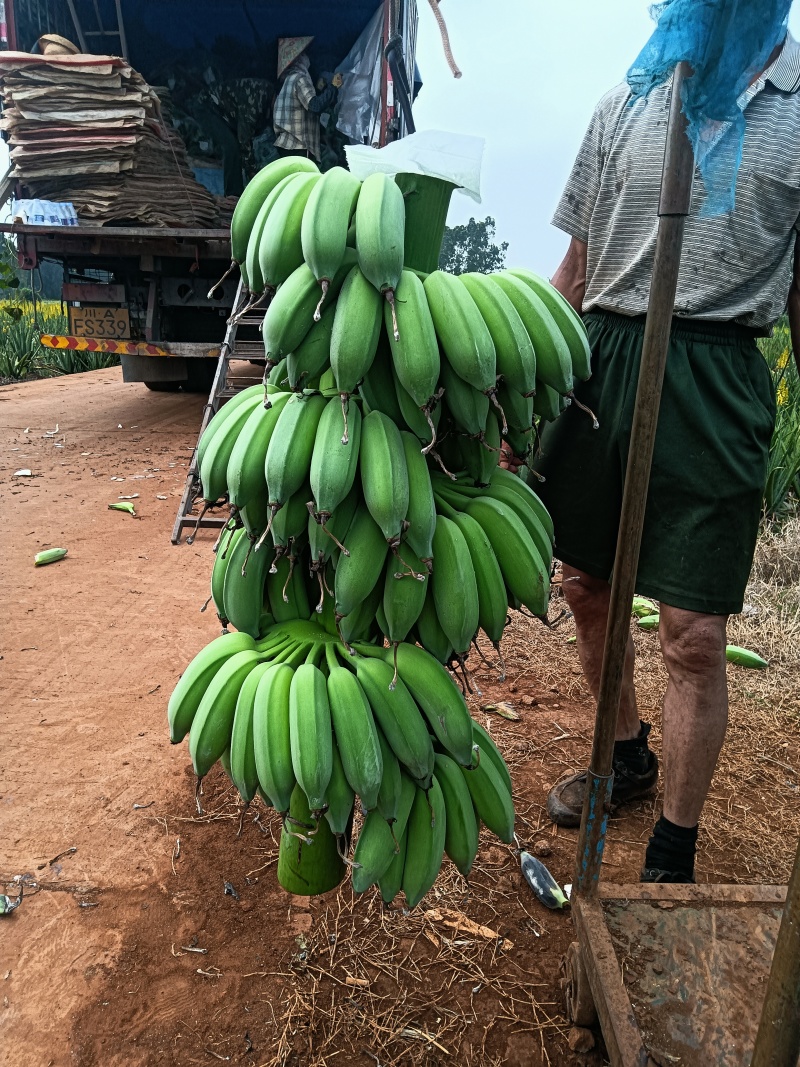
585,595
691,642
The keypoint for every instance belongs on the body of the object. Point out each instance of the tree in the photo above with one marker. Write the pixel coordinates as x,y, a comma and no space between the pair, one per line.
472,248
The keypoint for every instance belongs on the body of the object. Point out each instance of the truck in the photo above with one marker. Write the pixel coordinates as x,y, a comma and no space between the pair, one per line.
148,292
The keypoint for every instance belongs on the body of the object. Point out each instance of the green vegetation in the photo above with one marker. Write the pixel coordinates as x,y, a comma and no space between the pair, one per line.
782,490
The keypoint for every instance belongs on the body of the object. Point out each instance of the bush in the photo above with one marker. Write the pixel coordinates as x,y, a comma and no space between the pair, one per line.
783,477
22,354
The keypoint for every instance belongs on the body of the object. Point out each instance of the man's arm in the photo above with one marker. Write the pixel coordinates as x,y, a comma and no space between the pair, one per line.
570,279
793,306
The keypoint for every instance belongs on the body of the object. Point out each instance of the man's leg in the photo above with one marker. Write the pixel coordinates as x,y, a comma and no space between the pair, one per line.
635,766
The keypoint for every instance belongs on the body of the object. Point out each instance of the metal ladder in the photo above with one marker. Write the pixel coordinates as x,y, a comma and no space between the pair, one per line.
227,382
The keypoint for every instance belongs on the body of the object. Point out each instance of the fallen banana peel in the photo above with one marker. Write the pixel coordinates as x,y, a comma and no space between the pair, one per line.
123,506
461,924
745,658
49,555
503,709
545,888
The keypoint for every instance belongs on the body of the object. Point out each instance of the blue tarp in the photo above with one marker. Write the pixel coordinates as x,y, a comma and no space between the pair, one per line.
728,43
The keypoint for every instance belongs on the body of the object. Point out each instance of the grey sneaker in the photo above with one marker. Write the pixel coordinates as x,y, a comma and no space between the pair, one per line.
565,800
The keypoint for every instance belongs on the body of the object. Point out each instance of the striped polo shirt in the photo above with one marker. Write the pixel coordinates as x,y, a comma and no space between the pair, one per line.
734,267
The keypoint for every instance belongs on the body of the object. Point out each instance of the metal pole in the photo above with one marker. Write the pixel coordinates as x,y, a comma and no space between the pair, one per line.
676,190
778,1037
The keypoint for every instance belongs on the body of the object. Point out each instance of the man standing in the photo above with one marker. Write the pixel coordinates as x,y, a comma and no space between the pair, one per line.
714,430
298,106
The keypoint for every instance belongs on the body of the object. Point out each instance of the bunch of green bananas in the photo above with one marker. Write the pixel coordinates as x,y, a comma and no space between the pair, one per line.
296,708
372,533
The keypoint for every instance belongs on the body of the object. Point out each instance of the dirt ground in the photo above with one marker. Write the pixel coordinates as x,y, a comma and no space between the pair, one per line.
149,935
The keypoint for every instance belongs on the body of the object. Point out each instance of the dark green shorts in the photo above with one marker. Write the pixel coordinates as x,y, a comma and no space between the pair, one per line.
709,466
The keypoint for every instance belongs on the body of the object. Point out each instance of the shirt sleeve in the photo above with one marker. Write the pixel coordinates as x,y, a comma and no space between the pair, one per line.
576,206
310,99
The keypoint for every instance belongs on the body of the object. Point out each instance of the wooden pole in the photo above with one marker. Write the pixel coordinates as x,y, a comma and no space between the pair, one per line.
778,1037
676,189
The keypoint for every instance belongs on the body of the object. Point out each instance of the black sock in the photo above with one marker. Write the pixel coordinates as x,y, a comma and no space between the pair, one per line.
634,752
672,848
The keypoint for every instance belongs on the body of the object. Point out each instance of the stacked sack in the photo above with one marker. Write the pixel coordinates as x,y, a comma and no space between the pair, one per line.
372,533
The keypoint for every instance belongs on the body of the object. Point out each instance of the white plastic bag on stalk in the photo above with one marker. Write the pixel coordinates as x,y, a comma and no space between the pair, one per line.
455,157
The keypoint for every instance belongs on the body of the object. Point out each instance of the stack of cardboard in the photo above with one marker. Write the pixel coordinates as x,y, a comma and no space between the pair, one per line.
89,130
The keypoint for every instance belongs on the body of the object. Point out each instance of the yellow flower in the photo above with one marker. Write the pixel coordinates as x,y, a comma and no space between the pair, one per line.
783,359
783,392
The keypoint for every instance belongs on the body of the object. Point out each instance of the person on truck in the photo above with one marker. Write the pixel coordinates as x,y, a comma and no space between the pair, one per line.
298,107
714,430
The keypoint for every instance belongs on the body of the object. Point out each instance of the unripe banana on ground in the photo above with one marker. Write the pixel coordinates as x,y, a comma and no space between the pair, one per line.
280,252
358,574
415,353
254,195
427,828
243,588
455,589
492,799
272,735
398,716
440,699
566,318
326,222
213,468
313,354
380,235
242,758
356,329
461,330
195,680
421,514
384,474
355,731
310,731
334,463
291,446
210,732
461,831
292,311
245,471
553,361
468,407
524,572
489,750
516,359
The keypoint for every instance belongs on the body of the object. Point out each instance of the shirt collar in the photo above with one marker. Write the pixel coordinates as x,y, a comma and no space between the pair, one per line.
785,71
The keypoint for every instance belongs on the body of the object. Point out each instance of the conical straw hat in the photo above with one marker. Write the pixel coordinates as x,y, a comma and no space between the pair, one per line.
289,48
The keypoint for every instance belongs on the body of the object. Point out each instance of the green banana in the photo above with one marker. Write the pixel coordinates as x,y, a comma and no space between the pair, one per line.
220,418
250,269
455,589
415,352
310,733
489,750
245,471
334,461
358,574
254,195
214,466
313,354
403,592
391,881
468,407
421,514
431,635
374,852
398,716
530,519
567,320
380,235
222,558
522,489
279,252
546,403
356,733
356,329
524,572
242,758
516,359
461,330
243,588
744,657
291,446
195,680
210,732
492,799
440,699
378,385
359,624
291,522
384,474
391,786
492,599
326,222
340,798
427,830
461,829
553,361
482,455
272,735
421,422
518,409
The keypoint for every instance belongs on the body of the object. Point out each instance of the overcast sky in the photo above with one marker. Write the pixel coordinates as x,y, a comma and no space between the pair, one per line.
532,73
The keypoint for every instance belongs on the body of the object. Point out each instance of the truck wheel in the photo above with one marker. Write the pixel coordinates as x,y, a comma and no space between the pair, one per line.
163,387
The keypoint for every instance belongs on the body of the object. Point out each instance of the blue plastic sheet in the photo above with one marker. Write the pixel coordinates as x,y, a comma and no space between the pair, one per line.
727,43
